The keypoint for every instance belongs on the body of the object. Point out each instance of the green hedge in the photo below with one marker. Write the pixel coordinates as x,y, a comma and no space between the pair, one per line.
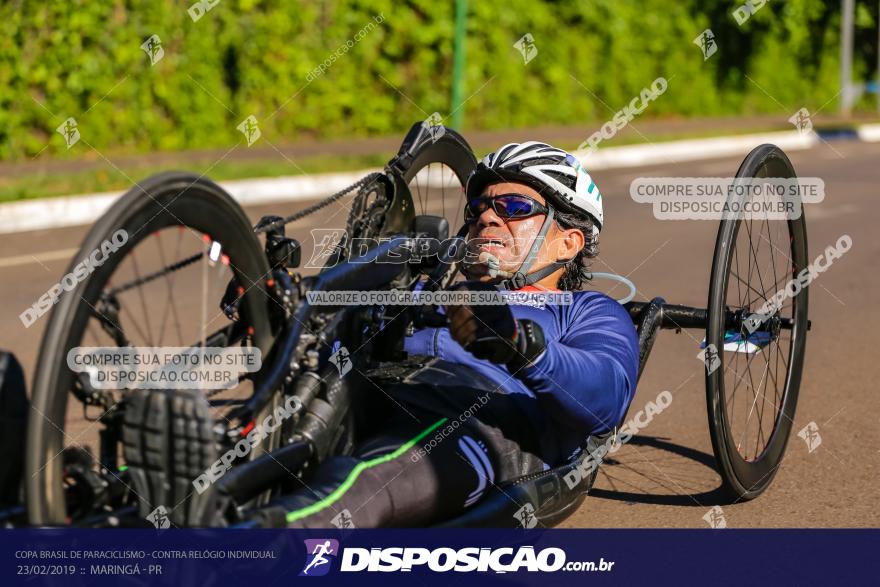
242,57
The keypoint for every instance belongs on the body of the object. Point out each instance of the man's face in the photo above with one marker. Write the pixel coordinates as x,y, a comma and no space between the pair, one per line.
509,240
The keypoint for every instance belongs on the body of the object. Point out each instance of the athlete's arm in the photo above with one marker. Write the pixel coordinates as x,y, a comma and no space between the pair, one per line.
588,375
584,376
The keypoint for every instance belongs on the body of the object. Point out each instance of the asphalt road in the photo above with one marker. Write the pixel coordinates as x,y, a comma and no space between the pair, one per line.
665,476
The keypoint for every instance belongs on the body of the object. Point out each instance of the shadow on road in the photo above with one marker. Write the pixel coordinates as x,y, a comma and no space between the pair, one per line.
654,470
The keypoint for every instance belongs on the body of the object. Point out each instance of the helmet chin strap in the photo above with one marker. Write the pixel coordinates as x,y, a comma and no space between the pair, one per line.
521,278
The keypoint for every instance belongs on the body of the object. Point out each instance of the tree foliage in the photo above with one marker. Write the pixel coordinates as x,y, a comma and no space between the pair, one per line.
83,59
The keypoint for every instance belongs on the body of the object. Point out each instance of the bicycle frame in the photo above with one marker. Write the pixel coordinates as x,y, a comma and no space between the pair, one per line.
658,315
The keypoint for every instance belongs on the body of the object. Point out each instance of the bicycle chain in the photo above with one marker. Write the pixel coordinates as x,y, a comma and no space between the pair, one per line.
360,184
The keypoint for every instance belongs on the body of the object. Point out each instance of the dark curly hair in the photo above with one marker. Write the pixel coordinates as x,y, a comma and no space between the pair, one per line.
577,271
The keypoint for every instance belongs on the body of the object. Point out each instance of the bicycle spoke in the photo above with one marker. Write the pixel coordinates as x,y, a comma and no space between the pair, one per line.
738,285
773,354
91,331
203,334
169,281
772,251
443,195
757,264
754,402
134,322
155,275
766,378
141,295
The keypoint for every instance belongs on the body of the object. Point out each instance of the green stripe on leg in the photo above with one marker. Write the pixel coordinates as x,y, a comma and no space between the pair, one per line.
353,475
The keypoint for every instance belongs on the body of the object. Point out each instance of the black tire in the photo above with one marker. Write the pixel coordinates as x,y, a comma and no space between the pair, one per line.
429,156
160,203
13,427
746,472
388,207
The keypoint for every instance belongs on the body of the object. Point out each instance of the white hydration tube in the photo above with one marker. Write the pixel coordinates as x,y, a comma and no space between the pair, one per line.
621,279
491,261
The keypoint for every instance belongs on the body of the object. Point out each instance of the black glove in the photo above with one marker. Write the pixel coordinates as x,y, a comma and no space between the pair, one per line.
490,332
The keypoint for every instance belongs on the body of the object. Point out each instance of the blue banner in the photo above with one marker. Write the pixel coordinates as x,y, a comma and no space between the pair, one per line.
438,557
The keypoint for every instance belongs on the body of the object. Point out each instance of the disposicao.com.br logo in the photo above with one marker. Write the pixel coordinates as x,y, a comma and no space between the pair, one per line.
320,553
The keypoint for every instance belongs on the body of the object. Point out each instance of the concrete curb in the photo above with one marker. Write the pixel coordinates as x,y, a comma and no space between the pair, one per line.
869,133
83,209
691,150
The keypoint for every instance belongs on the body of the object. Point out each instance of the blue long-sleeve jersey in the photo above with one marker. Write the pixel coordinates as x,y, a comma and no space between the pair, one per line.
581,385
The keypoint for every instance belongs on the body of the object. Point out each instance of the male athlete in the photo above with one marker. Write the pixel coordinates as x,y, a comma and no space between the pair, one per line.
512,389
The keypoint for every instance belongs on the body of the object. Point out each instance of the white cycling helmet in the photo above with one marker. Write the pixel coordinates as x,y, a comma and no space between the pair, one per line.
554,173
557,175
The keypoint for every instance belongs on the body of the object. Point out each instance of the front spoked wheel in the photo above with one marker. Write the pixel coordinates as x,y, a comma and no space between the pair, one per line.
433,164
180,246
752,385
426,177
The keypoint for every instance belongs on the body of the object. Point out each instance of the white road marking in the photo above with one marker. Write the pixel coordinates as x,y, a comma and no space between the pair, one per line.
59,255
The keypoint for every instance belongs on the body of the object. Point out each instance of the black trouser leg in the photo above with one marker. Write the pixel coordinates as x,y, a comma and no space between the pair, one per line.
426,465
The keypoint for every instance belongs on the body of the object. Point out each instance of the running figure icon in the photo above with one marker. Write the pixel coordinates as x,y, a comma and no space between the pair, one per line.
320,552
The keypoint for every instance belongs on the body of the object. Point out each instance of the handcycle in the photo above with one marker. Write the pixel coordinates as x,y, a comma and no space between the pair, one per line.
206,251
